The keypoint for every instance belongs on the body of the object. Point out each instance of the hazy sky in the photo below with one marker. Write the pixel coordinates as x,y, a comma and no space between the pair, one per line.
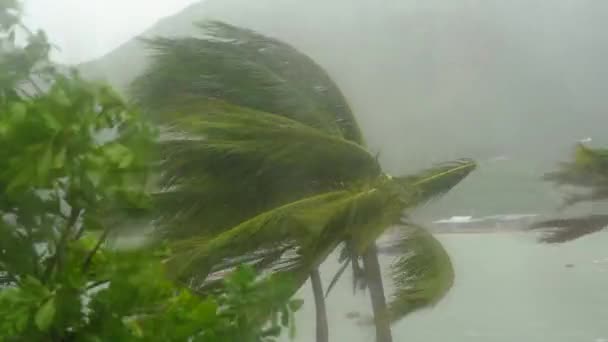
85,29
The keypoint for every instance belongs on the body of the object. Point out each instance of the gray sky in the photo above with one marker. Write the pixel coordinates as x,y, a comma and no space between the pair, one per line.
86,29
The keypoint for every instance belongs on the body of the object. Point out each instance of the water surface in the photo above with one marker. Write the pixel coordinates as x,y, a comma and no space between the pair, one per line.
508,288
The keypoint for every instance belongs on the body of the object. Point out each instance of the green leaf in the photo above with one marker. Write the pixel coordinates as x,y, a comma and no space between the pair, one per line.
94,176
45,163
21,179
134,327
34,286
118,154
274,331
295,304
51,121
434,182
422,275
284,317
60,97
22,321
4,129
59,160
18,111
126,161
45,315
206,311
92,222
272,76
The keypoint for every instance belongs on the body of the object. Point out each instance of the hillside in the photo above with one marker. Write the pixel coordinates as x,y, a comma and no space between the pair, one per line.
513,84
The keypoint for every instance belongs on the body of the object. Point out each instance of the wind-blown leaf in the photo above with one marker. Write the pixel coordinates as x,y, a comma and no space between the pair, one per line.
45,315
311,228
297,224
434,182
347,257
297,68
336,277
422,275
279,178
589,168
220,169
568,229
242,136
414,190
247,69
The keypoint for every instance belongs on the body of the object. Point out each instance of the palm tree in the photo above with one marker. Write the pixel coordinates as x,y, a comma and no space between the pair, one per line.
267,165
588,170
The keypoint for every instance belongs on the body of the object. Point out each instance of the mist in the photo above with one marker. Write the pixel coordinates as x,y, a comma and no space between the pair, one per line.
513,84
510,85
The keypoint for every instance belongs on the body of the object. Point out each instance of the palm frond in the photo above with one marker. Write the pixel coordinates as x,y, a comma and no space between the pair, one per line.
434,182
568,229
347,257
311,227
336,277
298,224
412,190
297,68
227,167
422,275
596,194
247,69
588,168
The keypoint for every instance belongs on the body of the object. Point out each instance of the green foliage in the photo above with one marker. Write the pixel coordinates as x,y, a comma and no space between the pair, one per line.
312,226
74,159
422,275
226,166
588,170
247,69
263,163
135,301
434,182
18,63
294,239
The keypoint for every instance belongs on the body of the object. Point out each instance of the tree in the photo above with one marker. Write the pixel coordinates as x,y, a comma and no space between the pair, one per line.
74,163
263,162
588,171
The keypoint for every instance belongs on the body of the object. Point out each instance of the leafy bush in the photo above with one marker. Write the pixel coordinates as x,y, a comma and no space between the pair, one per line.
74,160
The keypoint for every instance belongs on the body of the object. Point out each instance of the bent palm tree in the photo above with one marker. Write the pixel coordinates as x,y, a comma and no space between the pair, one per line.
588,170
268,166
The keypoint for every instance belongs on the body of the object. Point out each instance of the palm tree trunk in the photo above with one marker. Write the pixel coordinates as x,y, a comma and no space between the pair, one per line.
321,312
373,277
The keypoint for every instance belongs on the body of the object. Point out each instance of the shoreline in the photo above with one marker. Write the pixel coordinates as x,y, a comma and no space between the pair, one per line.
477,231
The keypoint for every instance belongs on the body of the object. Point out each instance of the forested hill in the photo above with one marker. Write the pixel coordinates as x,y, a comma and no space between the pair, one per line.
512,83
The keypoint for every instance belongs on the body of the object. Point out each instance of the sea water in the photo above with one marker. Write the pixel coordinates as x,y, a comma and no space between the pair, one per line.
508,288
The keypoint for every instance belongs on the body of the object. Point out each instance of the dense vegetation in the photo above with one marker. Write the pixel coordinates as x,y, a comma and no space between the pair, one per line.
74,164
248,165
80,165
263,162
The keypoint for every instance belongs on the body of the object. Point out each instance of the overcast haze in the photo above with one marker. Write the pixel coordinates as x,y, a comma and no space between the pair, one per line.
513,84
86,29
